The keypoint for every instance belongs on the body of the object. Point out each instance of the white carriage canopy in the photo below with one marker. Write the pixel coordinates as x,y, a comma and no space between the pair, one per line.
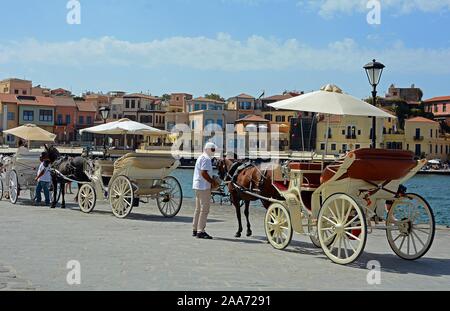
31,132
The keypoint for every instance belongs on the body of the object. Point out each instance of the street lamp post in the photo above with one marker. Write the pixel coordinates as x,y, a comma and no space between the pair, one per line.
374,70
104,111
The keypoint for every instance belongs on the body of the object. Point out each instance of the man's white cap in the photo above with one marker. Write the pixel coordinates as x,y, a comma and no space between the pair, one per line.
210,146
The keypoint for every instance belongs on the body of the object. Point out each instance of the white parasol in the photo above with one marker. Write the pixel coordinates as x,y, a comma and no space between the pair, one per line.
331,100
31,132
123,127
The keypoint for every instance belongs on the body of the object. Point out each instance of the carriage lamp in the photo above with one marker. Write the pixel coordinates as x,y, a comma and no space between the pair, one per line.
374,70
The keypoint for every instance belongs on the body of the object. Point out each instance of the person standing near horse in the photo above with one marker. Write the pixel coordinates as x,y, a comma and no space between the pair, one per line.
44,179
203,182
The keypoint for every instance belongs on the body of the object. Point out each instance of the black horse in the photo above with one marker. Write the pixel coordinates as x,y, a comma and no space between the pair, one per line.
64,168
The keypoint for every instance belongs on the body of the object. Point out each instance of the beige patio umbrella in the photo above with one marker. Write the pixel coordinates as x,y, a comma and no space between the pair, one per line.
31,132
331,100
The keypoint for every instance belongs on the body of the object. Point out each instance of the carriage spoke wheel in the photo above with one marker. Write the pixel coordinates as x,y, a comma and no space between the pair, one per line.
410,227
170,200
342,229
87,198
14,190
278,226
121,197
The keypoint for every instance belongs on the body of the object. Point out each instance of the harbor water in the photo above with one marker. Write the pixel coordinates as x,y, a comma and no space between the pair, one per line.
434,188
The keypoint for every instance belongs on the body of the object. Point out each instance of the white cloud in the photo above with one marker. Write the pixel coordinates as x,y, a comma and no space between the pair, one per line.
328,8
223,53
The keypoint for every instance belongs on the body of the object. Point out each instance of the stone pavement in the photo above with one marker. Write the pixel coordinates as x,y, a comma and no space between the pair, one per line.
148,252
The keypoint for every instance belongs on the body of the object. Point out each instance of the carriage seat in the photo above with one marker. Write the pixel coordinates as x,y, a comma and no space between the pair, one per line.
145,161
311,179
375,165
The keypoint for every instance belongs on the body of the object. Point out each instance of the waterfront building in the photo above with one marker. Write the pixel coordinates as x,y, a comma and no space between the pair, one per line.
40,91
244,105
38,110
424,137
178,102
440,107
117,108
61,92
98,100
16,86
412,95
86,112
145,109
65,119
9,117
346,133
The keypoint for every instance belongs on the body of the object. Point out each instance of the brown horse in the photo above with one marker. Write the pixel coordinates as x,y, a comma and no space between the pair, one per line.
254,179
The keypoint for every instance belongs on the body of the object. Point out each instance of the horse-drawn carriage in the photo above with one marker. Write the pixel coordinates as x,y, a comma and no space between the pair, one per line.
17,174
133,179
336,204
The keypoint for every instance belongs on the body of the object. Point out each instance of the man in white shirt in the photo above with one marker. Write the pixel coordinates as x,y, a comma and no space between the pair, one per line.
43,178
202,184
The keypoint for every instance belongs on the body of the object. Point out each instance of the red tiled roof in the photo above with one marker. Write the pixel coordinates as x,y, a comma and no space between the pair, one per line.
253,118
278,97
438,99
35,101
421,119
10,98
243,95
86,106
64,102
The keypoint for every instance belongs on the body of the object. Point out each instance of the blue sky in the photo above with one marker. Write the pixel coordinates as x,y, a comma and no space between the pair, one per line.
226,46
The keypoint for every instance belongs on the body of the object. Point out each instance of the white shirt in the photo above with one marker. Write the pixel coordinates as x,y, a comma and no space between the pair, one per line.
46,177
203,163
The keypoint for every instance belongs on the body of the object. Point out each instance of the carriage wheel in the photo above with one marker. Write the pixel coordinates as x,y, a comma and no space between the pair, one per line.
169,201
278,226
121,197
14,189
87,198
313,233
1,189
410,227
342,221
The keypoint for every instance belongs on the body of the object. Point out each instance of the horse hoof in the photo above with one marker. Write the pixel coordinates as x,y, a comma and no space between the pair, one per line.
238,235
63,206
249,233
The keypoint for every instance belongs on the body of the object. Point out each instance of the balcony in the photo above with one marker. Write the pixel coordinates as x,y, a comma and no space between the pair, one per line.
418,138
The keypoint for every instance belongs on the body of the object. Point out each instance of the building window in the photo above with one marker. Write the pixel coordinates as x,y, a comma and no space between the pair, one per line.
359,132
127,103
89,120
196,107
322,146
11,116
81,120
28,115
436,109
268,117
436,149
431,133
46,115
431,149
344,148
444,108
59,119
68,119
10,138
333,147
16,92
358,146
204,107
442,149
24,92
343,131
133,104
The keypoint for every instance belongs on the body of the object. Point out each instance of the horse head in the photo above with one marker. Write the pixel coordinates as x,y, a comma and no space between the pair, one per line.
50,154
